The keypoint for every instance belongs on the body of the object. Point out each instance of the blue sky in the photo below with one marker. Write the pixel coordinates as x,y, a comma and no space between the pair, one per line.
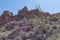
51,6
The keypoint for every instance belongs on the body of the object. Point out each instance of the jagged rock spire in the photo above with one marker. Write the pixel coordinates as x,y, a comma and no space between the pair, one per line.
25,8
22,11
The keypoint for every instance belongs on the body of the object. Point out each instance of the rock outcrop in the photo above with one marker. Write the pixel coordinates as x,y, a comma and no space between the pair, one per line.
6,17
28,25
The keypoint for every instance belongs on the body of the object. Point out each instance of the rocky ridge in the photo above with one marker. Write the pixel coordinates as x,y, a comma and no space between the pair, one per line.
29,25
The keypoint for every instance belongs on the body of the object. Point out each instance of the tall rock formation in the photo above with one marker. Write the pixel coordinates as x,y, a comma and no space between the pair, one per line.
6,17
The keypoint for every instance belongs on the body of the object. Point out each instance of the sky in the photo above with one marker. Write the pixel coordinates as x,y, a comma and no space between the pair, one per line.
51,6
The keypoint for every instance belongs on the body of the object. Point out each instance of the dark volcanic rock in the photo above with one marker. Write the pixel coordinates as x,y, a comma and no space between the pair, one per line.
24,12
17,18
7,14
21,13
6,17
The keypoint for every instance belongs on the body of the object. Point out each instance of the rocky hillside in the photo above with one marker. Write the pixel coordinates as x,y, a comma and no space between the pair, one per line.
29,25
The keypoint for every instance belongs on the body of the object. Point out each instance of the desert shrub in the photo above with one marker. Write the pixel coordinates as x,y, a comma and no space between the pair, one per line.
41,22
